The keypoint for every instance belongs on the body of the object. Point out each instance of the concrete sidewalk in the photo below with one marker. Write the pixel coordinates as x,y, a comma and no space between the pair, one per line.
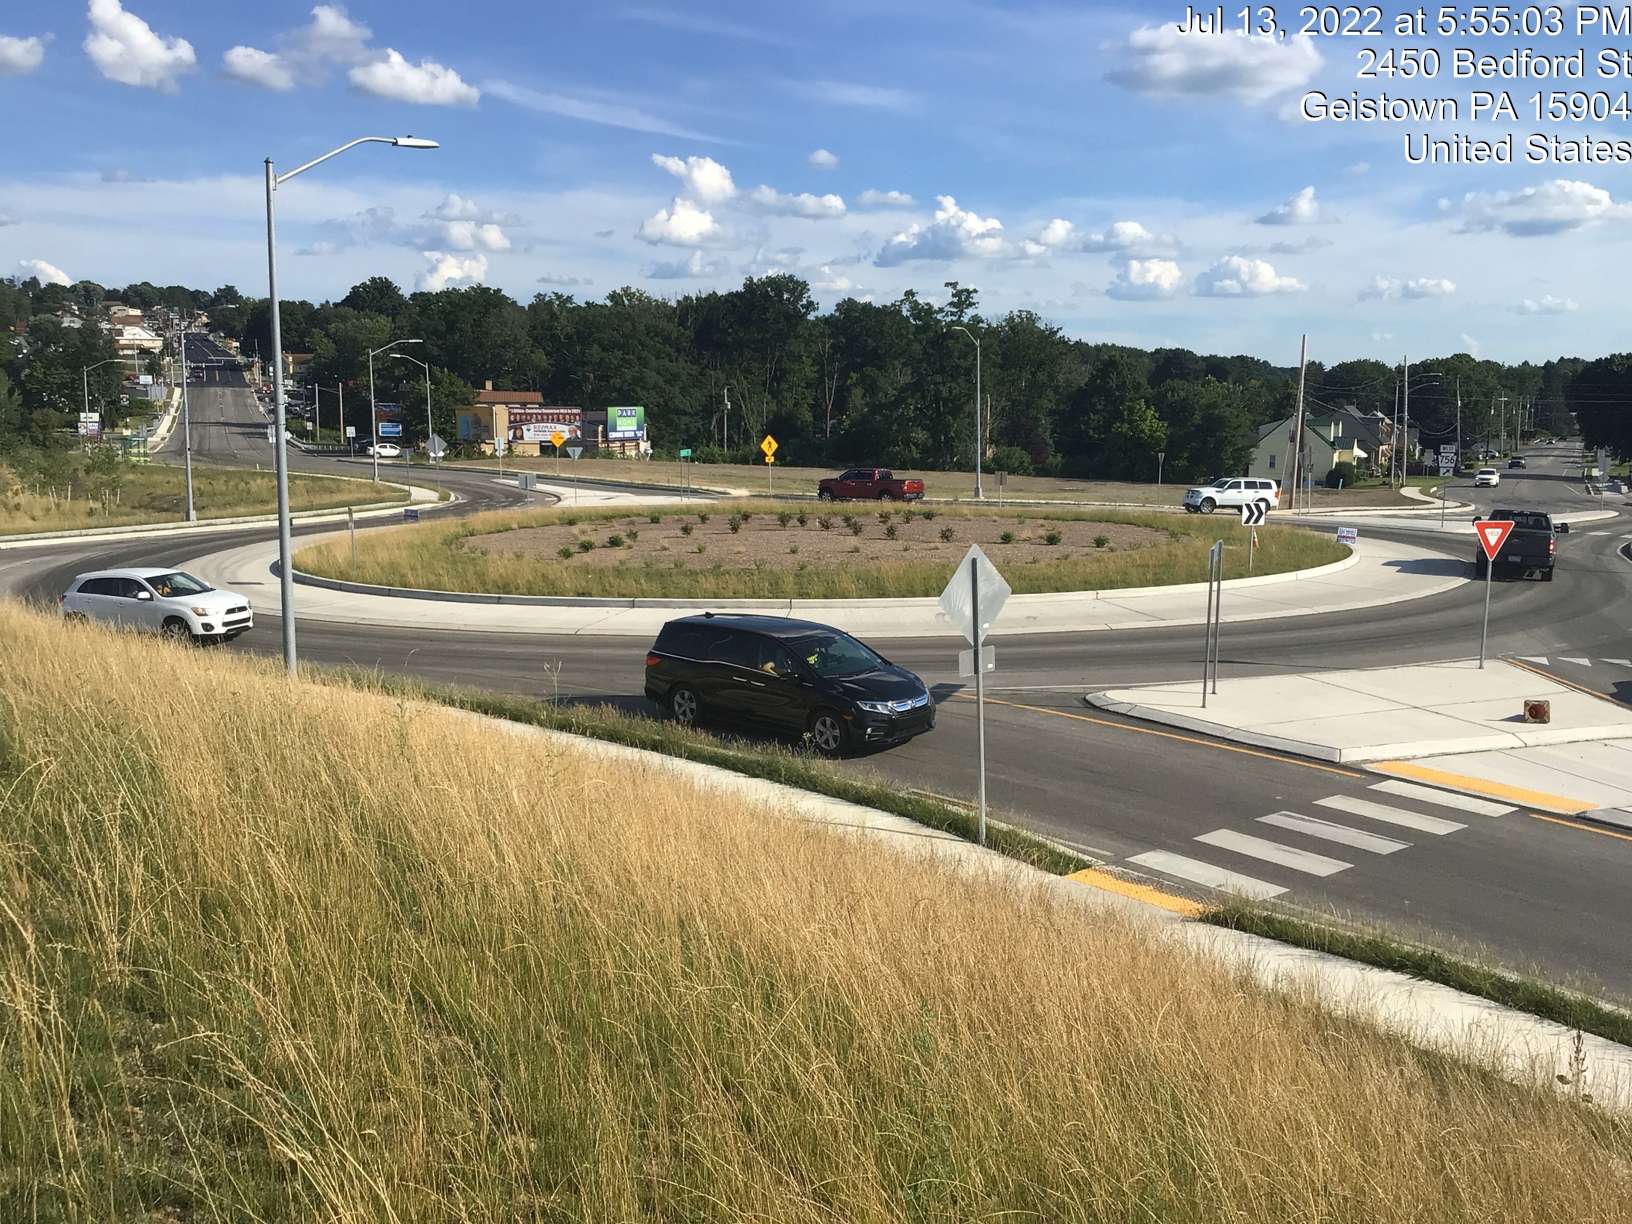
1385,715
1377,573
1592,779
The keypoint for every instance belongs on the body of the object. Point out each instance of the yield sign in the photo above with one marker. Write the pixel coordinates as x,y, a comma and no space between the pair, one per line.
1493,534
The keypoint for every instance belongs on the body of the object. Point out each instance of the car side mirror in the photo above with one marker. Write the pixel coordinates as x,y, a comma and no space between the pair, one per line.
1561,528
145,595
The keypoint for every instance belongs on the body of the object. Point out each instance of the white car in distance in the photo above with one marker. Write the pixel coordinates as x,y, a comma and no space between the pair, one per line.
385,450
1486,478
1231,493
166,601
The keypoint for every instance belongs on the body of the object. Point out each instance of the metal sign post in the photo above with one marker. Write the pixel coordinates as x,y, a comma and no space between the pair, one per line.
972,604
351,526
1492,535
557,438
1215,607
768,446
572,453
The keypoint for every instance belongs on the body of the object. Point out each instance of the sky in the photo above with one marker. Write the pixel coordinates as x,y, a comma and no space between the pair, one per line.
1083,161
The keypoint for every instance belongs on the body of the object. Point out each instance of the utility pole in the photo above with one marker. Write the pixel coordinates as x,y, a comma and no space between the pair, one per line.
1501,420
1297,430
725,422
1405,432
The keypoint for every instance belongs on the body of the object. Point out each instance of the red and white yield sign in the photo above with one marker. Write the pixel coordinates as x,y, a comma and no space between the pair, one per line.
1493,534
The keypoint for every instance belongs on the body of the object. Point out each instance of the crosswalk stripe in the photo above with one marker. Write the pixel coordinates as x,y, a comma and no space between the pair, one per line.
1199,872
1577,662
1620,662
1376,843
1273,852
1466,803
1390,815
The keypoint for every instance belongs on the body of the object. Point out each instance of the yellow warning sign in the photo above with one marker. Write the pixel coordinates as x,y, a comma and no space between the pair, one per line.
768,446
558,438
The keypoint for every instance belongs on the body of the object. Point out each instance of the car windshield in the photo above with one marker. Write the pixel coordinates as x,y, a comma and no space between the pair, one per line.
169,586
835,654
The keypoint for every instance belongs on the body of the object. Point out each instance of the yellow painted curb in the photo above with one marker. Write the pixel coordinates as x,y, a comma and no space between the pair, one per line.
1095,878
1483,786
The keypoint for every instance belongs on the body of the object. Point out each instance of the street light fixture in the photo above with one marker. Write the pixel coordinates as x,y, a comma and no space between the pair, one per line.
976,339
373,411
280,450
430,431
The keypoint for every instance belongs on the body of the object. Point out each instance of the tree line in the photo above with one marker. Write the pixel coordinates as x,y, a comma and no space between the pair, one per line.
886,383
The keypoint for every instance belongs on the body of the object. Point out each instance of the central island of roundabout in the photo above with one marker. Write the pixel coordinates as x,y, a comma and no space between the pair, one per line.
873,570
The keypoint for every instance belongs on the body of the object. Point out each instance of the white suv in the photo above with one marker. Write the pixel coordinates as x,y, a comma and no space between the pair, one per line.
160,601
1232,493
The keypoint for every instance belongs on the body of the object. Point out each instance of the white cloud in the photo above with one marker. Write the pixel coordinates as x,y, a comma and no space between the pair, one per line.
1470,346
850,93
832,281
427,82
331,35
822,159
703,178
1554,207
1548,304
802,205
1387,288
1146,280
1301,209
608,113
446,269
473,236
48,274
7,219
125,49
955,232
565,282
455,208
1159,60
1121,238
1236,276
884,199
686,269
1356,169
20,55
1382,337
255,67
682,224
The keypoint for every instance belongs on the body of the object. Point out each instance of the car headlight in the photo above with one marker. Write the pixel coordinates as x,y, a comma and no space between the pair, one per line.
201,611
877,707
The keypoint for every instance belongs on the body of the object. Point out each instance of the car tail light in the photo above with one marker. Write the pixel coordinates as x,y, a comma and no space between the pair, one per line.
652,660
1552,548
62,599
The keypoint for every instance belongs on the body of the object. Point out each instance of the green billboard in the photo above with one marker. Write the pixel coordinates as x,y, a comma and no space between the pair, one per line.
626,424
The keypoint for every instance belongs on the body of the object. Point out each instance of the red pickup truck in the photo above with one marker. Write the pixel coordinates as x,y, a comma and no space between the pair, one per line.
876,484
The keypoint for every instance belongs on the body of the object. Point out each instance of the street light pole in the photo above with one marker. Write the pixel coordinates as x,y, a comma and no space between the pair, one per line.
430,430
187,427
373,408
286,583
976,339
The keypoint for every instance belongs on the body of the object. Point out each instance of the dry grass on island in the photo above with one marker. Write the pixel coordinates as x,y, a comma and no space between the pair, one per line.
73,495
251,974
758,549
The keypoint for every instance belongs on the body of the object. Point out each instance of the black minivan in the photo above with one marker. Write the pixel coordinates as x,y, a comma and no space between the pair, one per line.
788,676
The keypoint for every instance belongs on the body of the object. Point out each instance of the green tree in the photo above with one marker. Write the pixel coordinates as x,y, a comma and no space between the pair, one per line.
376,295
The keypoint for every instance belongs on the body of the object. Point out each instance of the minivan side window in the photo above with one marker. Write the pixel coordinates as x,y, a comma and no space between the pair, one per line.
737,649
682,640
129,588
96,586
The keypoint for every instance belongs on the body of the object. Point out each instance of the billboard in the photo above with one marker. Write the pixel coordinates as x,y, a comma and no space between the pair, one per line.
626,424
542,433
388,412
390,429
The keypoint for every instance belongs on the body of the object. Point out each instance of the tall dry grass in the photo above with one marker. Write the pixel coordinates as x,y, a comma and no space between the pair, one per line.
440,557
273,952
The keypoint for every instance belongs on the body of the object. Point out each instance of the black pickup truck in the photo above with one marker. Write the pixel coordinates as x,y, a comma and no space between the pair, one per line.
1530,547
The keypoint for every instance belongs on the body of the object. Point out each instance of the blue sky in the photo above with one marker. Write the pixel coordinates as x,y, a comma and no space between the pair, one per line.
1078,160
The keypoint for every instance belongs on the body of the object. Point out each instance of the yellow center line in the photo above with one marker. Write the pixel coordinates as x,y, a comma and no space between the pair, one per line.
1106,882
1573,824
1173,735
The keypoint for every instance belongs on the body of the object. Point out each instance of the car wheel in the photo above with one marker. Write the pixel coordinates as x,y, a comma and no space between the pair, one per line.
828,734
824,495
685,706
1208,505
886,495
1547,575
177,630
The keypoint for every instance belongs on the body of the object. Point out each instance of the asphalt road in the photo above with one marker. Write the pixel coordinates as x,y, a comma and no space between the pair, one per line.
1537,893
